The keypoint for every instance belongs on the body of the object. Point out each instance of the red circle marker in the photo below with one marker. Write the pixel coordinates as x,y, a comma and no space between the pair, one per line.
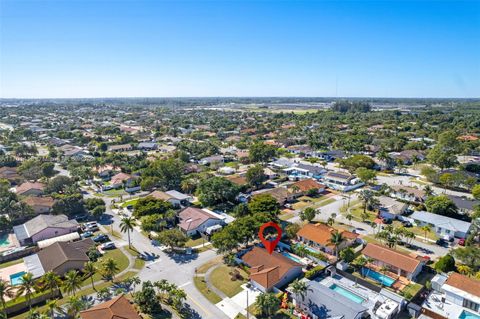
270,244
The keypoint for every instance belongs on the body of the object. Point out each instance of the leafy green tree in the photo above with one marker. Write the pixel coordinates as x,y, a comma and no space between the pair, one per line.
216,190
169,173
308,214
261,152
241,210
476,191
264,203
51,281
347,254
147,300
150,206
58,184
443,154
468,255
172,238
267,303
441,205
445,264
291,230
69,204
48,169
255,176
366,175
356,161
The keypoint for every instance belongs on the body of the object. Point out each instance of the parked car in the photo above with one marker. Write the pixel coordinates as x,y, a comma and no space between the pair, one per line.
442,242
108,245
101,238
406,223
91,226
86,234
461,242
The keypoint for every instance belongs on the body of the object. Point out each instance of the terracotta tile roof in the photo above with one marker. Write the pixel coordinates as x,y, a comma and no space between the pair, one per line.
191,218
266,269
391,257
239,180
321,234
38,201
117,308
120,177
307,184
25,187
160,195
467,284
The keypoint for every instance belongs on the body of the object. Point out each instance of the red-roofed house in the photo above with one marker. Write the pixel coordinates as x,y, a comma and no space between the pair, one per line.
306,186
195,220
40,205
318,236
30,189
270,270
117,308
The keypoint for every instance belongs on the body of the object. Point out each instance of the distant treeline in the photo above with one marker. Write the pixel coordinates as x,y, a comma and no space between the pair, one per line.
351,106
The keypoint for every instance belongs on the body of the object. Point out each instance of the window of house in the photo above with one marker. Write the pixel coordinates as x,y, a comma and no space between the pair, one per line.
471,305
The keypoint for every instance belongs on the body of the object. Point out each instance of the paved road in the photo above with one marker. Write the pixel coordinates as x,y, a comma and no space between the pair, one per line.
178,269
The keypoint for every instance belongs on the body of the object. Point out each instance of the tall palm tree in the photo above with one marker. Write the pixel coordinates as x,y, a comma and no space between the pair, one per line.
299,288
349,217
72,281
366,196
27,287
126,226
5,291
179,297
426,229
52,306
51,281
336,239
89,270
135,281
110,268
74,306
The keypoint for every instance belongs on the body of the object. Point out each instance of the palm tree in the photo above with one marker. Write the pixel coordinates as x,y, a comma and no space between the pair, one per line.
51,281
52,306
426,229
72,281
336,239
349,217
268,303
74,306
27,287
90,269
299,288
135,281
110,268
465,270
179,297
366,196
5,291
126,226
428,190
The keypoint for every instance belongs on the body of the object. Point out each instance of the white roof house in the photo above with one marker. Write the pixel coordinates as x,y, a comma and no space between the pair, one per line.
443,225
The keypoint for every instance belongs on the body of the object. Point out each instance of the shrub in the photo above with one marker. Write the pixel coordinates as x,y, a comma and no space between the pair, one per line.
314,272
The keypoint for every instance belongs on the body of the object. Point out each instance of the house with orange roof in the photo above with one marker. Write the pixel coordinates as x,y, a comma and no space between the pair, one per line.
396,262
306,186
117,308
318,236
40,205
269,271
30,189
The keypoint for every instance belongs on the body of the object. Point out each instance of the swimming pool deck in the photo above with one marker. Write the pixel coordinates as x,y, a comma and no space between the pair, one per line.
12,243
6,272
443,307
370,296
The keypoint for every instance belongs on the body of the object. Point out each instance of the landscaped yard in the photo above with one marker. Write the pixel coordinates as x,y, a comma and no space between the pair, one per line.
418,231
201,285
11,263
222,280
205,267
130,202
115,254
192,242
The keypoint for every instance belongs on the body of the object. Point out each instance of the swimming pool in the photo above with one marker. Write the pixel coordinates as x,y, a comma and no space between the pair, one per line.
468,315
347,293
387,281
292,257
4,242
16,279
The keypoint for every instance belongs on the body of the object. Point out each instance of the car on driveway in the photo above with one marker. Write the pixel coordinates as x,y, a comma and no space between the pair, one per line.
107,245
442,242
86,234
101,238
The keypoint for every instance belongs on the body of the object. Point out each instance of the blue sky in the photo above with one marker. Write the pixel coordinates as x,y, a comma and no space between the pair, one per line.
109,48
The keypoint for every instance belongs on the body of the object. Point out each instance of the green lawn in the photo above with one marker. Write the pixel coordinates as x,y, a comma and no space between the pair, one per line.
222,280
205,267
412,289
11,263
201,285
115,254
357,214
286,216
130,202
195,242
139,263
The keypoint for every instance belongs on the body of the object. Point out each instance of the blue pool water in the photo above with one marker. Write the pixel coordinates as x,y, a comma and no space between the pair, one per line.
468,315
292,257
381,278
308,248
4,240
346,293
16,279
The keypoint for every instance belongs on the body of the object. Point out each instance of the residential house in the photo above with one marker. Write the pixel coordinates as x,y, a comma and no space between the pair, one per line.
281,194
60,257
193,221
106,171
147,146
212,159
173,197
390,208
453,296
121,180
442,225
10,174
465,205
40,205
407,193
395,261
318,236
44,227
30,189
270,270
321,302
305,187
299,171
120,148
184,199
408,157
342,181
116,308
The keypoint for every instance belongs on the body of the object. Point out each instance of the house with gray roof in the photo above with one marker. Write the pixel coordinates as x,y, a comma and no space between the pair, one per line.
464,205
44,227
322,302
442,225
